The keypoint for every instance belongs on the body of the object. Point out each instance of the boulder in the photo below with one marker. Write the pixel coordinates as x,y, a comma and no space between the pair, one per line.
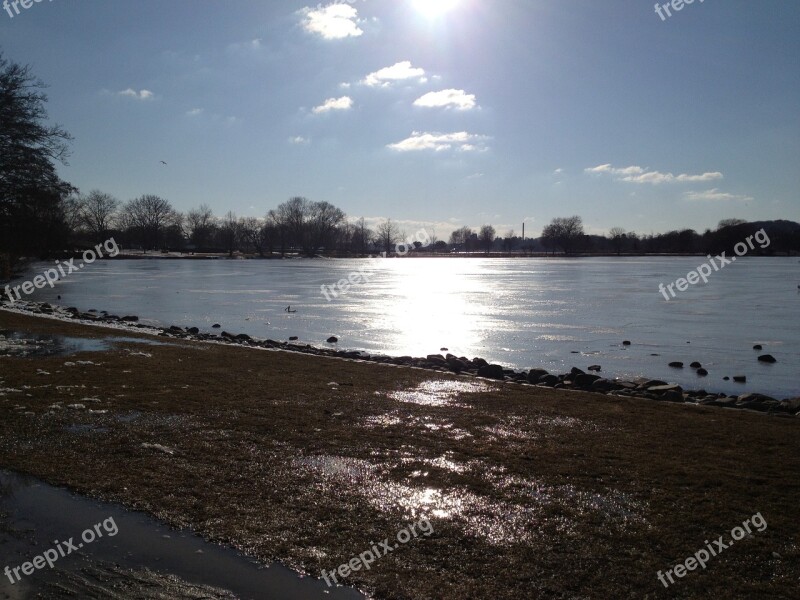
193,330
695,365
626,343
129,318
663,389
332,340
437,359
534,375
604,385
767,358
585,380
740,378
492,372
216,326
758,347
596,368
548,380
576,371
676,365
702,372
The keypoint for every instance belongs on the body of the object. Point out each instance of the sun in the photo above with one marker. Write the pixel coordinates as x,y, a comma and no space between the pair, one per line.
434,8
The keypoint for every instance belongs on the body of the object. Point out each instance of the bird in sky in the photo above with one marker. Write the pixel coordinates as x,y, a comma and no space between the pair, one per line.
163,163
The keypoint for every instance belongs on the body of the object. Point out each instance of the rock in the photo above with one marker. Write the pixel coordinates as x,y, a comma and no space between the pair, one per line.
604,385
243,337
652,383
695,365
753,397
176,329
792,405
585,380
702,372
726,378
534,375
444,349
479,362
626,343
596,368
576,371
216,326
333,340
294,338
767,358
676,365
130,318
436,359
740,378
193,330
492,372
758,347
548,380
662,389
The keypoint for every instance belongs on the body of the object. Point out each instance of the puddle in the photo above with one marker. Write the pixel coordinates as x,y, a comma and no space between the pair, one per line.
145,558
440,393
19,344
516,512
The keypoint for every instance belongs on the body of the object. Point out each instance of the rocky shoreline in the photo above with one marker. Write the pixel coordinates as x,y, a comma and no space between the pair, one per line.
575,380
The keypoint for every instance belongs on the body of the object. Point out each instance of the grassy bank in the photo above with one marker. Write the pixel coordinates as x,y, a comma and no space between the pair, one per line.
532,493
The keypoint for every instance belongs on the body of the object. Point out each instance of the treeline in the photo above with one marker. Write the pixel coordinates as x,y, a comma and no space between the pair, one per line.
297,226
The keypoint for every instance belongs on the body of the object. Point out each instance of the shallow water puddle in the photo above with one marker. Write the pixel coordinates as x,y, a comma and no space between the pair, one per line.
514,513
19,344
145,558
440,392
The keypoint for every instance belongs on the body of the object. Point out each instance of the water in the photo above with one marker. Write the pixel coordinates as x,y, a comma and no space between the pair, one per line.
523,313
144,557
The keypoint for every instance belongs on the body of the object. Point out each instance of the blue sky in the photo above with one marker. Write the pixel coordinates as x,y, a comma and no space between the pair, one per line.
437,112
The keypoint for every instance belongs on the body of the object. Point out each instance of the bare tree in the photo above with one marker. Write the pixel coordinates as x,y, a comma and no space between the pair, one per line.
461,237
486,236
148,217
97,213
200,226
362,237
730,223
617,237
563,232
230,232
324,219
387,236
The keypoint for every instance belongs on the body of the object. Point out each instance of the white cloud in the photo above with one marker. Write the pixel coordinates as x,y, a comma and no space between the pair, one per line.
332,22
636,174
397,72
140,95
715,196
457,99
460,141
299,140
343,103
558,171
195,112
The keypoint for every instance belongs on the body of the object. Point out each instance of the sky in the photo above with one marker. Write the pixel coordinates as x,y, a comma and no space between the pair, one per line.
436,113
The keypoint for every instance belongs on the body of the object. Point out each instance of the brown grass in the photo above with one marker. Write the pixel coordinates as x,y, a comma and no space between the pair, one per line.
600,492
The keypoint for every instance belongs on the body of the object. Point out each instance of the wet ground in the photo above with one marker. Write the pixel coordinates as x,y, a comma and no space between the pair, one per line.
20,344
137,557
531,492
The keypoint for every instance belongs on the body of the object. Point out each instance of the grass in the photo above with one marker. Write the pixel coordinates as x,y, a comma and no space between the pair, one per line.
532,493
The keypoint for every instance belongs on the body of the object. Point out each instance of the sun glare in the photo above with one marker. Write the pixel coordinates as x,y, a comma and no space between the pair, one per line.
434,8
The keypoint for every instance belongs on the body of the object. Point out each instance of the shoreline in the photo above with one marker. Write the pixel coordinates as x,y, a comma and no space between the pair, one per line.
574,380
531,491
